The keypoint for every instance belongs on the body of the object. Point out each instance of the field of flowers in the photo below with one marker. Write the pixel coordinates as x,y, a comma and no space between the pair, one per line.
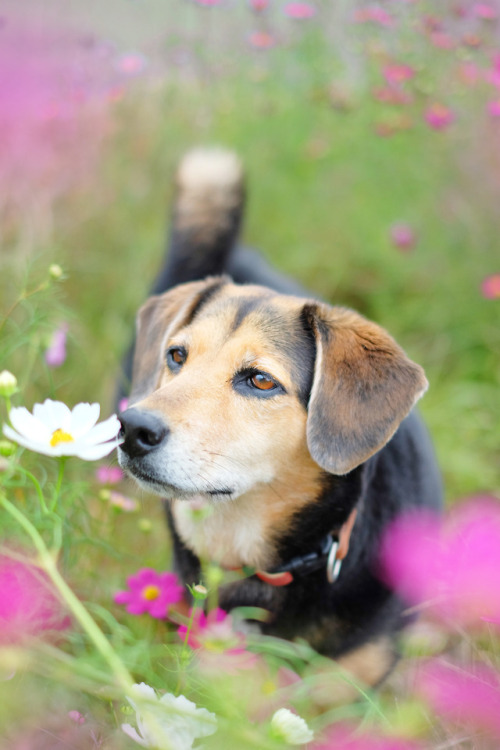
371,137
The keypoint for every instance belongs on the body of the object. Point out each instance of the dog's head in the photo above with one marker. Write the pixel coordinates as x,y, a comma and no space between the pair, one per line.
235,385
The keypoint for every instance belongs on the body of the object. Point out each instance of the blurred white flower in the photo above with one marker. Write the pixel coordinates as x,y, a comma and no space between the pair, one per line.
169,722
55,430
290,728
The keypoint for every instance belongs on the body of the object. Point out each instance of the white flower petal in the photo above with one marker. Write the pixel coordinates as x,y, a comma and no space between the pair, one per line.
54,414
32,445
291,728
101,432
83,418
93,452
28,425
133,734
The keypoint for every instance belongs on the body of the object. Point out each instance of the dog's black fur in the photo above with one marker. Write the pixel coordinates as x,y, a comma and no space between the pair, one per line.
358,608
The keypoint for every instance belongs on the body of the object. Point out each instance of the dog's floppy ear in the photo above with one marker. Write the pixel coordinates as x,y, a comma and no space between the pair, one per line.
159,316
363,387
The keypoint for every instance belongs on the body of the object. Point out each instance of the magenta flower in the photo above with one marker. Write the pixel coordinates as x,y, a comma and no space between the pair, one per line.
403,236
55,354
491,286
109,474
469,698
439,117
300,11
259,5
345,737
151,592
29,606
451,566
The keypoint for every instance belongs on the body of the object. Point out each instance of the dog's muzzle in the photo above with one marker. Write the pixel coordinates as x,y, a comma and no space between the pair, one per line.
141,432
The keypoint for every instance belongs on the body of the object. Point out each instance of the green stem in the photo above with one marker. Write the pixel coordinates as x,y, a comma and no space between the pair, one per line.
93,631
37,486
57,489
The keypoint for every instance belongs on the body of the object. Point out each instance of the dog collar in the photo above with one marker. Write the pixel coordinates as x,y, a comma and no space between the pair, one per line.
329,554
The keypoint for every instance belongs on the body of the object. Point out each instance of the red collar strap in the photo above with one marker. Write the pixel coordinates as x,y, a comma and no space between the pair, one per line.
331,551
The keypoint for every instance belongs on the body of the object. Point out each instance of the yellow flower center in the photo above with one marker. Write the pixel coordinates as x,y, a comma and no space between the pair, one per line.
59,436
151,592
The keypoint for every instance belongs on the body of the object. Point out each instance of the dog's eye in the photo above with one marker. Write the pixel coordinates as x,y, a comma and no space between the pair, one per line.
262,381
176,356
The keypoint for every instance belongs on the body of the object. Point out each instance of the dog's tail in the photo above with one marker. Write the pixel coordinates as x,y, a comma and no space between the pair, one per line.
207,214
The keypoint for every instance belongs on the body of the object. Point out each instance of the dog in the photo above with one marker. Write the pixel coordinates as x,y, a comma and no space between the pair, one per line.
290,421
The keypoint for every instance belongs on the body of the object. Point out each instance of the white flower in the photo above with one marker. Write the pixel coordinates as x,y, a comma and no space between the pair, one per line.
169,722
290,728
54,430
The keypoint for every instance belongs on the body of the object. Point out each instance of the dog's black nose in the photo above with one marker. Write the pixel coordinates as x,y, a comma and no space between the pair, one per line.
142,431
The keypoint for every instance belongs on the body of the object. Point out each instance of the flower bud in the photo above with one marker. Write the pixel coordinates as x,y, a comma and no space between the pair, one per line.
7,448
55,271
8,384
198,591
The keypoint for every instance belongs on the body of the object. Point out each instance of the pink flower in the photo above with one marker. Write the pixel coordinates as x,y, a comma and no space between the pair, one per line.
131,64
109,474
393,95
470,698
485,11
300,11
123,404
491,286
374,14
55,354
220,648
439,117
259,5
398,73
450,566
262,40
29,606
151,592
403,236
207,3
214,630
441,40
345,737
494,108
122,502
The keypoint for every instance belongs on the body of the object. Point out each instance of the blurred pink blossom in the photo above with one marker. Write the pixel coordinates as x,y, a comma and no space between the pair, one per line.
29,606
300,11
122,502
259,5
450,566
438,116
486,11
494,108
346,737
262,40
131,63
470,698
220,647
490,287
374,14
403,236
109,474
397,73
151,592
48,79
441,40
55,354
77,717
394,95
123,404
